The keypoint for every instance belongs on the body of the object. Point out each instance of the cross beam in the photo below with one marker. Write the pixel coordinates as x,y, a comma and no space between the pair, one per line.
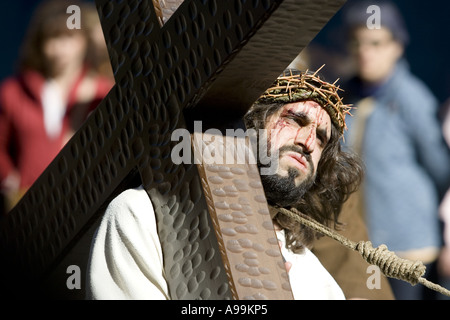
209,62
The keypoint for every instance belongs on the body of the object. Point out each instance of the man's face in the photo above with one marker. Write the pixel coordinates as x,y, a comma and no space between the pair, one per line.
298,132
376,53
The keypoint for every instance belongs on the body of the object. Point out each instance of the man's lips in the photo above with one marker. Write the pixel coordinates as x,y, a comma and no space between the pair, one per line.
299,159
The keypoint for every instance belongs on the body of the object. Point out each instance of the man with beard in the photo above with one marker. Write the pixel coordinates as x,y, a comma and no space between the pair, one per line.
304,119
314,175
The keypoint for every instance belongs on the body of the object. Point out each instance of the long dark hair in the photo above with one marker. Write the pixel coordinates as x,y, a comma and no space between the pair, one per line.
48,20
339,174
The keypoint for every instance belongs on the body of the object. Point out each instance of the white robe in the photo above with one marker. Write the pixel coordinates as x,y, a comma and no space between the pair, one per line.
126,260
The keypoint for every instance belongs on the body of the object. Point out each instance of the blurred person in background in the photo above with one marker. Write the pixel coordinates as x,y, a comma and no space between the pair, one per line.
53,92
444,210
396,130
346,266
97,51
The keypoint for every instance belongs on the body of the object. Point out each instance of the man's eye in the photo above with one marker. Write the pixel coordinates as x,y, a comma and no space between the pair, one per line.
295,121
322,139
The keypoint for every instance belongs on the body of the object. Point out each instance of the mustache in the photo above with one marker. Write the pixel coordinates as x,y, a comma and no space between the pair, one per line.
299,150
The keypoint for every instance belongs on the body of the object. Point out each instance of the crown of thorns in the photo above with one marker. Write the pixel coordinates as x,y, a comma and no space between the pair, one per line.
294,86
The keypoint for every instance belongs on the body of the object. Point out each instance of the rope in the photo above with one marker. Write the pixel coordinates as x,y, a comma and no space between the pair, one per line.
390,264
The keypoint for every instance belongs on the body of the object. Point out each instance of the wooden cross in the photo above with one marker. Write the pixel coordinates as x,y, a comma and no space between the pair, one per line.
208,62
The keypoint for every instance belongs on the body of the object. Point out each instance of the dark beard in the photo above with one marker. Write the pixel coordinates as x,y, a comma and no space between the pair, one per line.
282,191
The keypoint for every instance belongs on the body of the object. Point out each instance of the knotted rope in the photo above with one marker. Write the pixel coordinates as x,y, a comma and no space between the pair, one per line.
390,264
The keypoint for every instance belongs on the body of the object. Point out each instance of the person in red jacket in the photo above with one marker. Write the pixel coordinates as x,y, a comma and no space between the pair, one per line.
52,93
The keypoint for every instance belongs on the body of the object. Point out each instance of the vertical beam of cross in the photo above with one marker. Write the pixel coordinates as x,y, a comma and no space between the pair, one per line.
210,56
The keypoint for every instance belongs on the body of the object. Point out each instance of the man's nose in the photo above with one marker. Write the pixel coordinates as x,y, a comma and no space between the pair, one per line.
306,138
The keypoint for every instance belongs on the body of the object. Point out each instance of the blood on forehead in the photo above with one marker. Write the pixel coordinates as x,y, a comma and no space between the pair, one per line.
308,120
314,111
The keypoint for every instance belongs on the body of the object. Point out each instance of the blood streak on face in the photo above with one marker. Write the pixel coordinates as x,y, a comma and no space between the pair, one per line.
299,132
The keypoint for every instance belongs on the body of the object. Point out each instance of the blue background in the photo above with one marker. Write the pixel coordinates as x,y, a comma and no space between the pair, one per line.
427,53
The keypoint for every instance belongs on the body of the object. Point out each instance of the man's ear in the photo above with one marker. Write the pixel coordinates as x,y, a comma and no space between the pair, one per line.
399,49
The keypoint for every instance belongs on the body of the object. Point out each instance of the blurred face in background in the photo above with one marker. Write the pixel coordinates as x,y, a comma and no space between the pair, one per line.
64,50
376,53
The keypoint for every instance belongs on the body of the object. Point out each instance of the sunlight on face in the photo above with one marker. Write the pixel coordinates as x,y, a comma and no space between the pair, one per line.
299,132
